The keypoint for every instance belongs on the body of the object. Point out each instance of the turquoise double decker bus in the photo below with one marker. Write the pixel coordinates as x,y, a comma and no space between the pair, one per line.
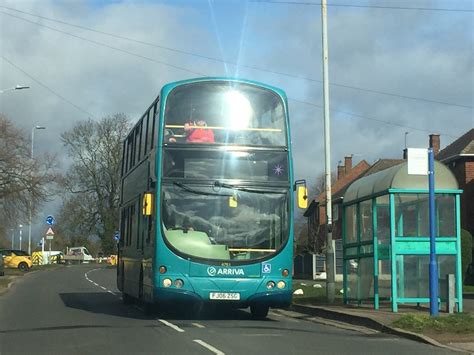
207,198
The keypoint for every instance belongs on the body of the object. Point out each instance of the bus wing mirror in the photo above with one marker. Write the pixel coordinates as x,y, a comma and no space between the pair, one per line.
147,204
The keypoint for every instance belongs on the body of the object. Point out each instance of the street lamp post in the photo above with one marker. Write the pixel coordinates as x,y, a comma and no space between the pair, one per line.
21,226
30,204
13,238
17,87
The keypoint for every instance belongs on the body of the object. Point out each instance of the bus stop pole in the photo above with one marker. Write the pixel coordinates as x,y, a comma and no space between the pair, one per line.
434,309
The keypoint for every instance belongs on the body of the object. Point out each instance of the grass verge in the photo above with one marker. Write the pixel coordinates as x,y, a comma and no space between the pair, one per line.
314,295
459,323
468,289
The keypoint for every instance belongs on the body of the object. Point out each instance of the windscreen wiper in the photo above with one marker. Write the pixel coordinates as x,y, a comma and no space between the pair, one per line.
244,189
198,192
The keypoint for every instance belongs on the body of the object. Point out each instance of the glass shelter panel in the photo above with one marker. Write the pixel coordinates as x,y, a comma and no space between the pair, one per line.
412,215
383,219
366,230
352,267
366,280
413,275
351,224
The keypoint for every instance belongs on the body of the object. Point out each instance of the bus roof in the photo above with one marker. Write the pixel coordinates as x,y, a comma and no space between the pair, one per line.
168,87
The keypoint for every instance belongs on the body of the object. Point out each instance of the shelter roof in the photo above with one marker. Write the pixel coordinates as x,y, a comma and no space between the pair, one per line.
397,177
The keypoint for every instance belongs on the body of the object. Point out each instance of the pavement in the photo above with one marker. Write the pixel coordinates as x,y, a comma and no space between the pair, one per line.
381,320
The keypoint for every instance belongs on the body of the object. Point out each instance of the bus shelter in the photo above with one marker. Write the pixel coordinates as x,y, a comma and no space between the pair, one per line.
386,242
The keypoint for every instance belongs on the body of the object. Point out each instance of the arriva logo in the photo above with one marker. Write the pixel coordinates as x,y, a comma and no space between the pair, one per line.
212,271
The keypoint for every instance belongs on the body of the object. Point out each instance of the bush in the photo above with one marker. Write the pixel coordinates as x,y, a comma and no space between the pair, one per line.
466,250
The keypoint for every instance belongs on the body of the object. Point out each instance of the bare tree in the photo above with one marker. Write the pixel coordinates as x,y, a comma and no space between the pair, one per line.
93,180
23,181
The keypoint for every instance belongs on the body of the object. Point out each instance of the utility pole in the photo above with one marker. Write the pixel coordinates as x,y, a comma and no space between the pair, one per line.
330,267
21,226
30,202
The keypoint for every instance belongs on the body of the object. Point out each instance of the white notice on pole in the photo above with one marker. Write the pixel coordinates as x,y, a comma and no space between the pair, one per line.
417,161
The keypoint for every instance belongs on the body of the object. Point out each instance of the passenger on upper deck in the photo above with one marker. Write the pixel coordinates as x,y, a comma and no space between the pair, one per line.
195,134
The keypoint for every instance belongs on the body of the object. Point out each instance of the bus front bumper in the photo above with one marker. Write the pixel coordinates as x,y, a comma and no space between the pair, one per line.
274,299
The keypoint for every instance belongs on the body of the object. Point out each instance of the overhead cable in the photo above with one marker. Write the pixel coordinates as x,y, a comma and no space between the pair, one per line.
352,87
47,87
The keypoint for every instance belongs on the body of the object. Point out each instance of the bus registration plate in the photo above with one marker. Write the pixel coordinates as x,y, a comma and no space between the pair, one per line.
231,296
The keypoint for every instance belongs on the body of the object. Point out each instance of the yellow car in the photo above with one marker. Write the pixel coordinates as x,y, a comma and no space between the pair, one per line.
16,259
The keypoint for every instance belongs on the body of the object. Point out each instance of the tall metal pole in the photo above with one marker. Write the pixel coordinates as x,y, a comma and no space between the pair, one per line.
13,239
330,264
434,311
21,226
30,202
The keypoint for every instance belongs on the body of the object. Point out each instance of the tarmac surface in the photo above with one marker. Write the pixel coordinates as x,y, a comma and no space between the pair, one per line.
78,310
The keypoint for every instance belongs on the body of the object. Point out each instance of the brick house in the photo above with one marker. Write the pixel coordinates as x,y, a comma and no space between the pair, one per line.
459,157
316,211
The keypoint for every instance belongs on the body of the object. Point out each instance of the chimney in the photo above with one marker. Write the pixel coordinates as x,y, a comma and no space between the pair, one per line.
405,154
348,164
340,171
435,143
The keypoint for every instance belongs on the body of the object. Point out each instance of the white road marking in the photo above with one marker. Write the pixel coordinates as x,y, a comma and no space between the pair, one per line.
95,283
209,347
197,325
171,325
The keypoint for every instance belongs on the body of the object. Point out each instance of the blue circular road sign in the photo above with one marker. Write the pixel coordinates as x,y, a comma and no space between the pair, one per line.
50,220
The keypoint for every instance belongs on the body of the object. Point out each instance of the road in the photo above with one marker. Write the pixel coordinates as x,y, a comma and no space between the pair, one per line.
78,310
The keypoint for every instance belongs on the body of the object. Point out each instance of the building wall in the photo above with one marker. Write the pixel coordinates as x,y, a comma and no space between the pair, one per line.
463,170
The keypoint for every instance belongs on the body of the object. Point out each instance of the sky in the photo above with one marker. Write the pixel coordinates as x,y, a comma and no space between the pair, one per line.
395,66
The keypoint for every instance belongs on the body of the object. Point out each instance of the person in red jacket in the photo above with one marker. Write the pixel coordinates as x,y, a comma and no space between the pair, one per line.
197,132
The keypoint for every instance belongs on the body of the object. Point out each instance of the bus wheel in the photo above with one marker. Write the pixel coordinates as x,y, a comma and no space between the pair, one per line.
259,311
127,299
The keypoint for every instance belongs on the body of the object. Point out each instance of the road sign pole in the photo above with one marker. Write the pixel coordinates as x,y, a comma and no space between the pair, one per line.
434,309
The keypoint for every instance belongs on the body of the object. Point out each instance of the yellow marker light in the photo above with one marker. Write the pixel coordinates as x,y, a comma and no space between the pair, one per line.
167,282
302,197
147,204
233,201
281,284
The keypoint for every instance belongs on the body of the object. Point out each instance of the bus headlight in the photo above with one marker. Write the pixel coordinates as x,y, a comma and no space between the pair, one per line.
281,284
167,282
270,285
178,283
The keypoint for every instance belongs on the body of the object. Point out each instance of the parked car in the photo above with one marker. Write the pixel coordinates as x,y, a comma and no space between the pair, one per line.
16,259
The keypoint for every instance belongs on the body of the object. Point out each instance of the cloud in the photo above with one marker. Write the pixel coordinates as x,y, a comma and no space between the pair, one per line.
412,53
